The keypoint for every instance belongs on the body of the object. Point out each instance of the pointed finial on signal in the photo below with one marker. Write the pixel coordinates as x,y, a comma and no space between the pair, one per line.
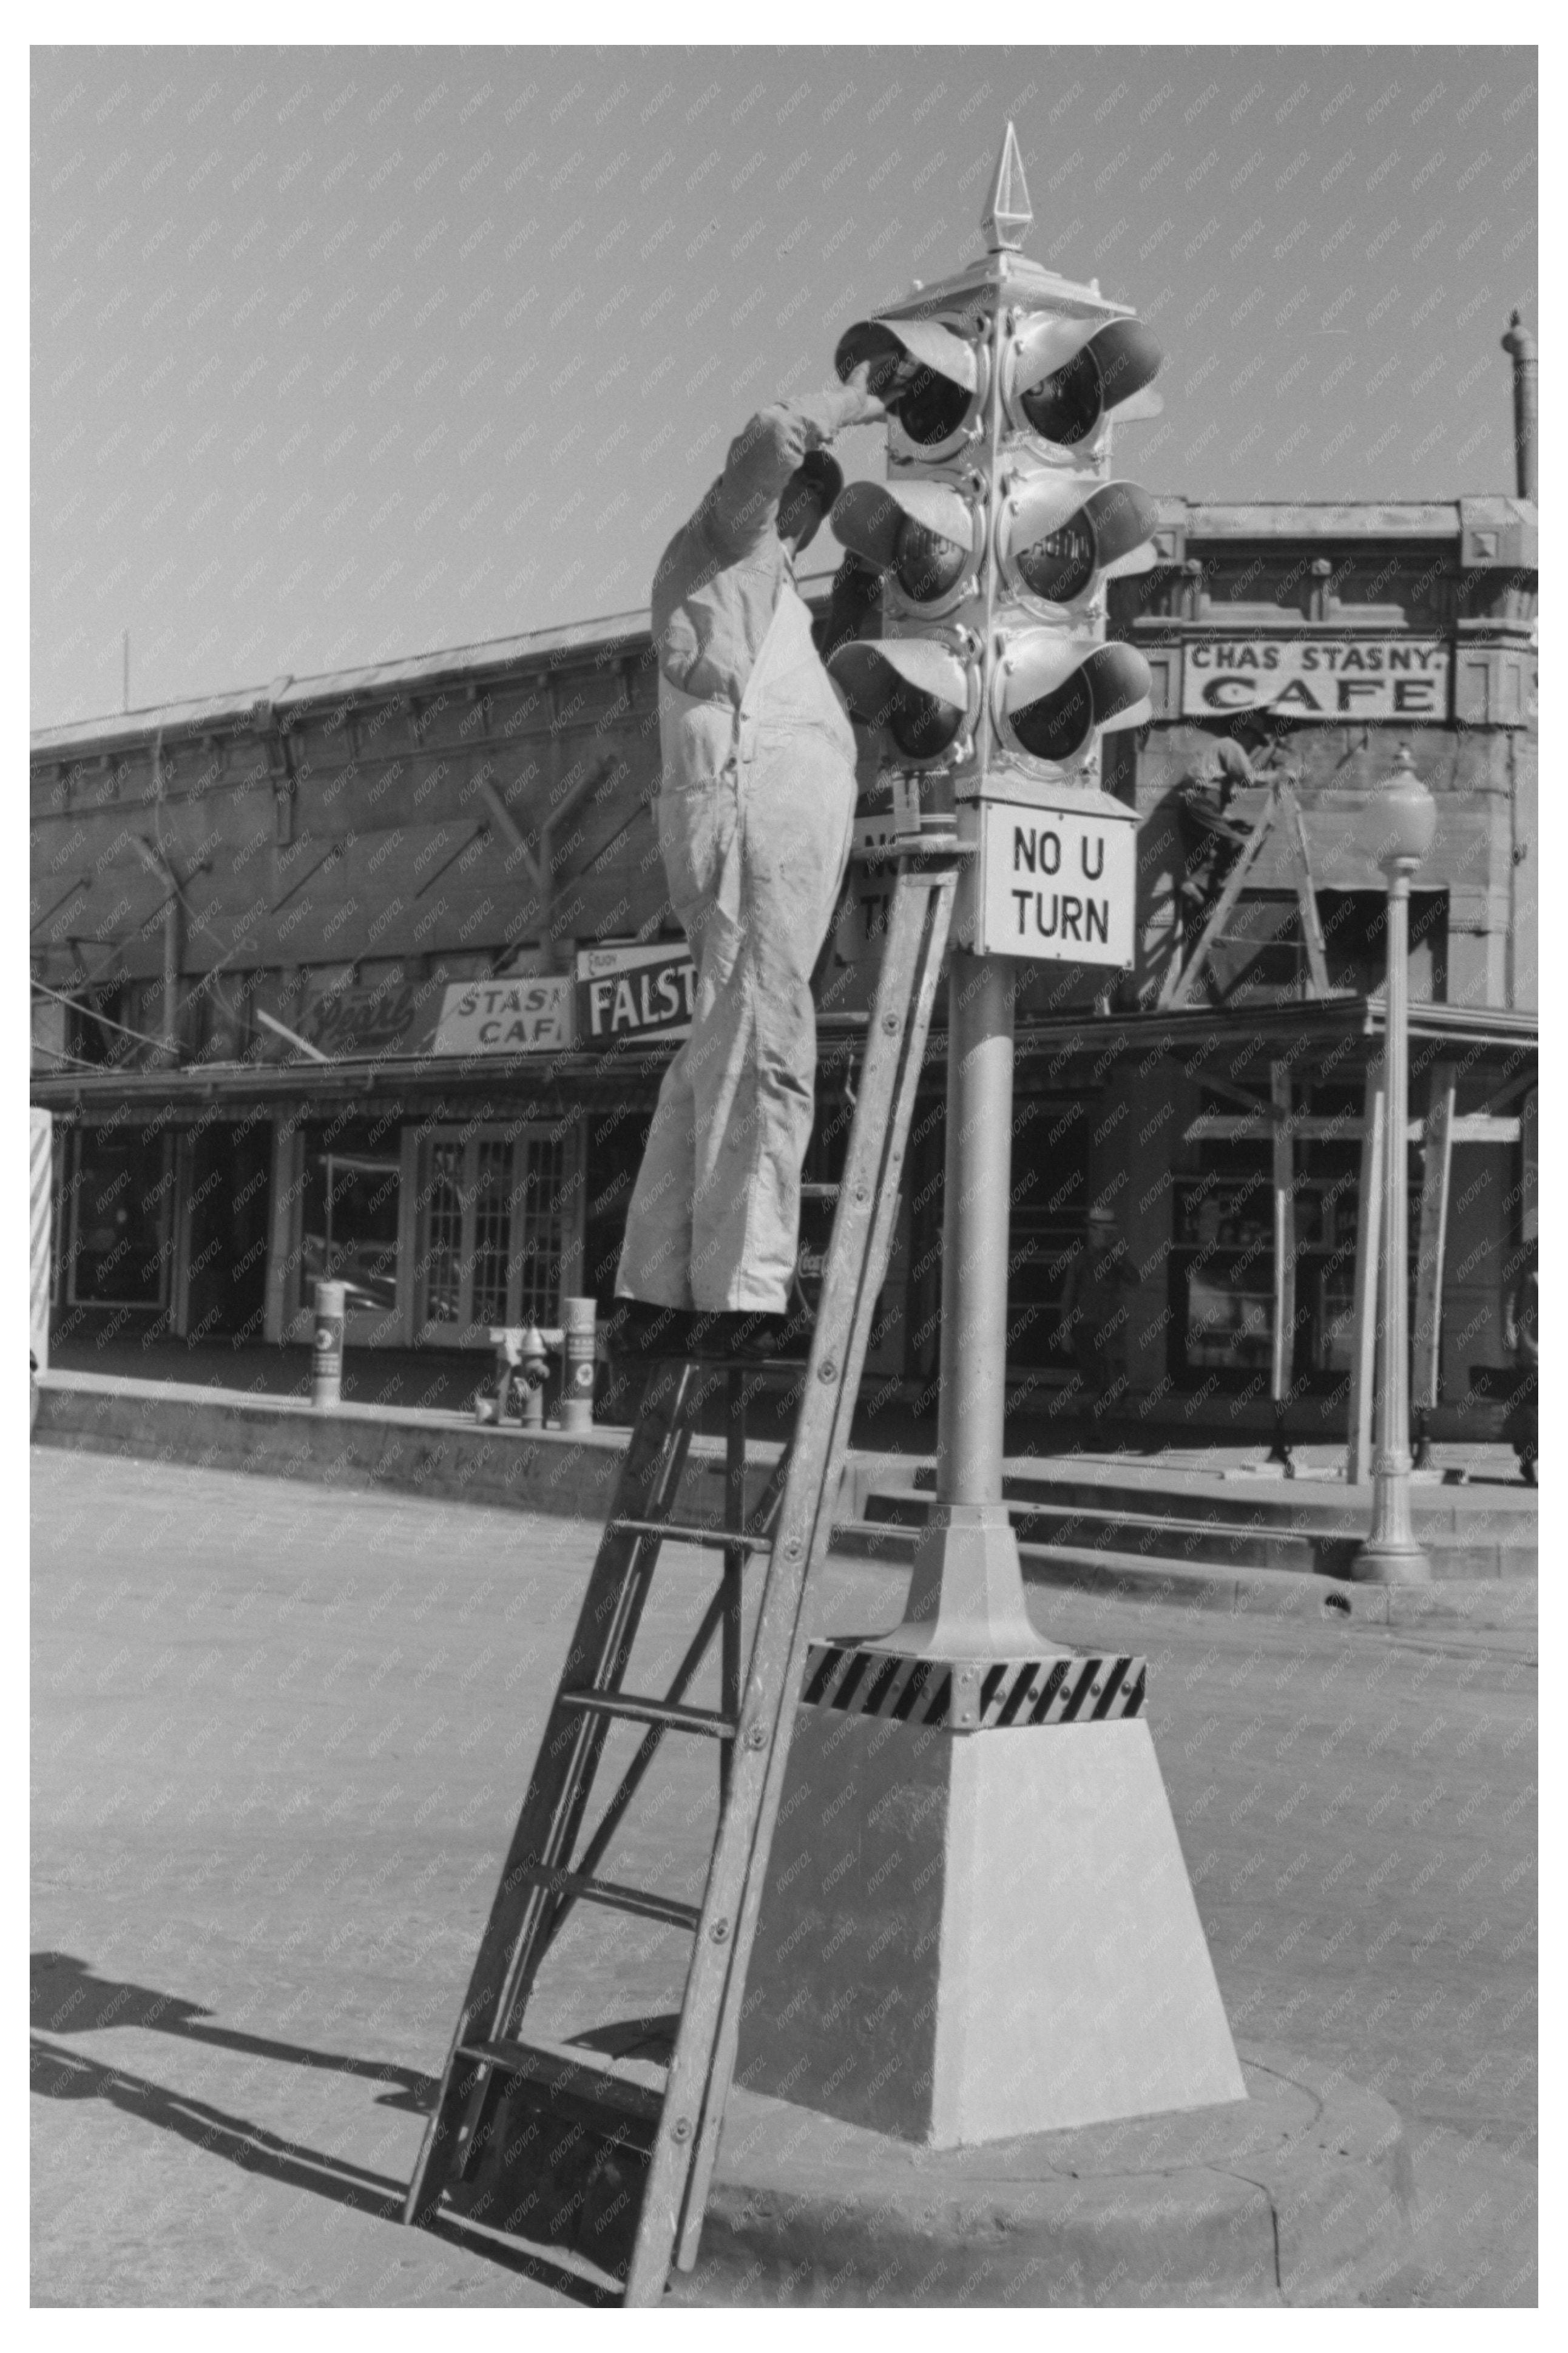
1008,211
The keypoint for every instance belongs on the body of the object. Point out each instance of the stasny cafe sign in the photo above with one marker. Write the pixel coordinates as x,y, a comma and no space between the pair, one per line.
1317,678
632,990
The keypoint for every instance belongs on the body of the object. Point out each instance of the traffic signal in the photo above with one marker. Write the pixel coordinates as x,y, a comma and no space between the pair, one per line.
1000,520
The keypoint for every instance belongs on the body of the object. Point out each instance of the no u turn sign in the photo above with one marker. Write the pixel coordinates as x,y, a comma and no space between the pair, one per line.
1058,884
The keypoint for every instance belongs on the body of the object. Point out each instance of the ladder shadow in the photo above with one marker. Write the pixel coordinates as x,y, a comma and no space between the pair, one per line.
57,2074
68,1998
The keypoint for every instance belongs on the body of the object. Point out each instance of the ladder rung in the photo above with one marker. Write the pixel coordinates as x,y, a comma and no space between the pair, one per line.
566,2067
719,1539
653,1711
611,1892
820,1192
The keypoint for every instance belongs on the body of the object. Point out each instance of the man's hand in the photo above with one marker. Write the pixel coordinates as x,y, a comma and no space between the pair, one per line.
871,410
840,406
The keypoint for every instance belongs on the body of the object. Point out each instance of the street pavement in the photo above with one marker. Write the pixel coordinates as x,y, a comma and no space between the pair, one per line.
280,1738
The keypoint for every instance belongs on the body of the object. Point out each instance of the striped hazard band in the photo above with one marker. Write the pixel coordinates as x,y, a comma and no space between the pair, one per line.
972,1695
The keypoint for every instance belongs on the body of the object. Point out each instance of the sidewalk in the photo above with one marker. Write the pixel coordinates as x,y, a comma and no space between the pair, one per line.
444,1381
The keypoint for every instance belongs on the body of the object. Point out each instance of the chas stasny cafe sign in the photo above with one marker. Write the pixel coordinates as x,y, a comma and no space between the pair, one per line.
1315,678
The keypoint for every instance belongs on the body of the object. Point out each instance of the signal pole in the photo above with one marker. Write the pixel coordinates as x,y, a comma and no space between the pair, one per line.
996,533
1027,1955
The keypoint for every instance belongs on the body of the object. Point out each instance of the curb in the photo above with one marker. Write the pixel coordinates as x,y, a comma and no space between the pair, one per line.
451,1458
1262,1592
1300,2195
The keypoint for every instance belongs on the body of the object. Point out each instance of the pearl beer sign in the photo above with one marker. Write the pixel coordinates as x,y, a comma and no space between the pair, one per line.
1058,884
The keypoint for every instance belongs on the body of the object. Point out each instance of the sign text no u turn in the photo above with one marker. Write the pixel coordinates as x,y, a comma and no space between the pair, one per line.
1056,884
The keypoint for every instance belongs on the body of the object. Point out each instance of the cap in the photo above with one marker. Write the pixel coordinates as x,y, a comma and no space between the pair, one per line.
825,475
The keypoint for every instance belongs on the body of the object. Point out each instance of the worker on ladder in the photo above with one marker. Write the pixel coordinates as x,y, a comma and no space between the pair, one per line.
755,816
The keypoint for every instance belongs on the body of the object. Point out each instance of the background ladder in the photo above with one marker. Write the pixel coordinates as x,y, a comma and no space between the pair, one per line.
1281,808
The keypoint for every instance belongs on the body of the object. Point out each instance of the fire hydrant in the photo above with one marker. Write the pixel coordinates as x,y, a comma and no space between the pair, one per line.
522,1354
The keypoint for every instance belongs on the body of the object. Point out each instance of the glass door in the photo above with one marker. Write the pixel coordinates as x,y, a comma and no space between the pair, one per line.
491,1240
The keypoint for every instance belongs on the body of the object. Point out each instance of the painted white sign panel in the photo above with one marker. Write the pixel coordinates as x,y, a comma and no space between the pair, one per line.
1315,678
529,1015
649,991
1057,884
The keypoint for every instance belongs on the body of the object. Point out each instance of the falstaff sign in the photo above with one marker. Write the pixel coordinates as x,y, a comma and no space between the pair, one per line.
1315,678
647,991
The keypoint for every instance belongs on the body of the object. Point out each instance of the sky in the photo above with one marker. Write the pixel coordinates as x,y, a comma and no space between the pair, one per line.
343,355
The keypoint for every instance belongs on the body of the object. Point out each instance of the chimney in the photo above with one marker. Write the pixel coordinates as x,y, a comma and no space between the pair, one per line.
1521,344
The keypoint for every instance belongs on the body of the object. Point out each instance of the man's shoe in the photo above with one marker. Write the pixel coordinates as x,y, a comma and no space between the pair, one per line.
643,1328
750,1335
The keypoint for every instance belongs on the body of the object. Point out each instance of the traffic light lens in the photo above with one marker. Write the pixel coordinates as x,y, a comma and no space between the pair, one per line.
1065,408
920,725
926,564
1057,726
1061,565
930,407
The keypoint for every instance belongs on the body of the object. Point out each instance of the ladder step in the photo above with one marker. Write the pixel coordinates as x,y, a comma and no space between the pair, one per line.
611,1892
567,2067
652,1711
820,1192
675,1532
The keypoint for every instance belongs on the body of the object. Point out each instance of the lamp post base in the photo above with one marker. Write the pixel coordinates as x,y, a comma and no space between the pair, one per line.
1391,1564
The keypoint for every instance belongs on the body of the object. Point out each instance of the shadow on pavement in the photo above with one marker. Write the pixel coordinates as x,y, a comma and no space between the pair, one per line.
67,1999
60,2074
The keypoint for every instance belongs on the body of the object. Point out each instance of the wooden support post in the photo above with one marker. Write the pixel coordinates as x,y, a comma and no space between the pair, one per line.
1364,1344
284,1222
1284,1233
1432,1240
511,832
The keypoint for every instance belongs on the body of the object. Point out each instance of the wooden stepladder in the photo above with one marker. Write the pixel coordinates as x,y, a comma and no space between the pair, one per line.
607,2160
1277,806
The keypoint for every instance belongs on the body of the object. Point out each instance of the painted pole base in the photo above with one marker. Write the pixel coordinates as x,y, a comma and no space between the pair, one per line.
1398,1563
976,1924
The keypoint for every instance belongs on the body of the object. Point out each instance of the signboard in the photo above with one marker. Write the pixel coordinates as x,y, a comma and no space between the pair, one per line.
649,991
1057,884
1315,678
531,1014
527,1013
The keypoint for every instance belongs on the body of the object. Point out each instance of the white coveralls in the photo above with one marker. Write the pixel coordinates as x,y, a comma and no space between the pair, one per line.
755,805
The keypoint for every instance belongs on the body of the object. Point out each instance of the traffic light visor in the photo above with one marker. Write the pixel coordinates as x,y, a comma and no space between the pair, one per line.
925,375
1068,374
1060,533
913,688
921,533
1052,696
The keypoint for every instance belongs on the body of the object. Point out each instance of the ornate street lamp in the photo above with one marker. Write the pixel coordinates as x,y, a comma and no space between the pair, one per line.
1407,817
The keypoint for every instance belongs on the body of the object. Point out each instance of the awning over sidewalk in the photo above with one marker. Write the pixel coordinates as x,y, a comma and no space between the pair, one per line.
1316,1037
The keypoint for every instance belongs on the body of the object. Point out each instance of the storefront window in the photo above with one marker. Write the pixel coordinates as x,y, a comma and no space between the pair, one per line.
1222,1264
123,1205
351,1191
